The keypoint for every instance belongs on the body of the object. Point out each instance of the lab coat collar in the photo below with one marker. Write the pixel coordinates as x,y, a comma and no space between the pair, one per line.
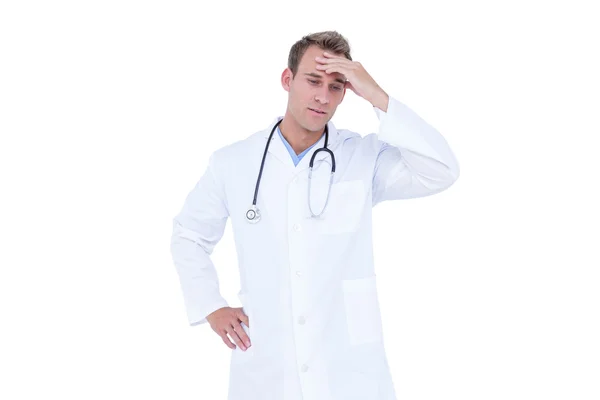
278,149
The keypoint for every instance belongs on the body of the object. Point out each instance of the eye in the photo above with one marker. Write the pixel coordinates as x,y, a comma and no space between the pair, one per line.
337,88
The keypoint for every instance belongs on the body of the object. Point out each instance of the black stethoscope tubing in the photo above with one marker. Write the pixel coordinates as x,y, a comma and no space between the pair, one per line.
262,163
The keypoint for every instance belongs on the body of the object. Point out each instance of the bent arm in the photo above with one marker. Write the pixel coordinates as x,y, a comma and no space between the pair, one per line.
196,230
414,159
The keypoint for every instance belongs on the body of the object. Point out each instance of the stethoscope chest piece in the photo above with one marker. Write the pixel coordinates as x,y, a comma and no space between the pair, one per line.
253,215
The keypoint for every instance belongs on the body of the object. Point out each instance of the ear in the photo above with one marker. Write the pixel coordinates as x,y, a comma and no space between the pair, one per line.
286,78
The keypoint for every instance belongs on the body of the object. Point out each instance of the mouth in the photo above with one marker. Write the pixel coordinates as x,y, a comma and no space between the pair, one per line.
318,112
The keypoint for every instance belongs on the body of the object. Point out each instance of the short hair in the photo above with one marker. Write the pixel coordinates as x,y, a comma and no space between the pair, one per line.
327,40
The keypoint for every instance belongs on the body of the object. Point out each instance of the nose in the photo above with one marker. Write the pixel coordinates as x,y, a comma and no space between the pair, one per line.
322,95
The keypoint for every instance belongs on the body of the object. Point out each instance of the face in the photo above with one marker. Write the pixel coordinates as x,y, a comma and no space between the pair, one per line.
312,89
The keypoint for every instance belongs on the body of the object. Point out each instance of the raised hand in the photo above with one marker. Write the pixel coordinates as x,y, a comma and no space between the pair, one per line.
357,78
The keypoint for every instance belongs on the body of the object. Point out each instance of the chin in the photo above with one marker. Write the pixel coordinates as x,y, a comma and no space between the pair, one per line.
311,125
315,127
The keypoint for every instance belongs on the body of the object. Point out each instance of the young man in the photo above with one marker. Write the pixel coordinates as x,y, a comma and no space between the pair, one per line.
310,325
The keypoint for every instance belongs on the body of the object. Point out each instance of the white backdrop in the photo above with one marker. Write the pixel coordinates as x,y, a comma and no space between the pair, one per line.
109,111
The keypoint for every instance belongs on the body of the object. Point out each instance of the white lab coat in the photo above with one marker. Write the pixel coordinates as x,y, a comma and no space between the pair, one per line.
308,285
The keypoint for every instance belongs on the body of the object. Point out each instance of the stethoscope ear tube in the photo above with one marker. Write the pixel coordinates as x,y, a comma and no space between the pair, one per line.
262,163
312,159
312,214
253,213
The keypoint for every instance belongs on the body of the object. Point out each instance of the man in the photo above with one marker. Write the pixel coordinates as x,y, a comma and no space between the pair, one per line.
310,325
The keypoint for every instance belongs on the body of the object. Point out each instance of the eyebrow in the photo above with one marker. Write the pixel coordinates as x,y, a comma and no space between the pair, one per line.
320,77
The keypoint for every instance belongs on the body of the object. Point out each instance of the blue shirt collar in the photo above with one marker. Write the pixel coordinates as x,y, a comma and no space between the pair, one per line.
295,157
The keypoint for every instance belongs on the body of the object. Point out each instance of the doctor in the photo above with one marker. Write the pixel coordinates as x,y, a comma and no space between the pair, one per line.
310,325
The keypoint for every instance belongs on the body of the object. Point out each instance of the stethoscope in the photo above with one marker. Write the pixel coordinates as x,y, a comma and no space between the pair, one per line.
253,213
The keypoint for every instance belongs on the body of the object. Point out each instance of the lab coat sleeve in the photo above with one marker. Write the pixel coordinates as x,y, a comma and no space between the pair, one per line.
196,230
414,159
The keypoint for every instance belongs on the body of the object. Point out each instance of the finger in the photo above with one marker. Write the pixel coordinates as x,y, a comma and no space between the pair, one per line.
334,68
241,333
226,340
347,68
244,318
326,66
233,334
331,63
343,61
336,63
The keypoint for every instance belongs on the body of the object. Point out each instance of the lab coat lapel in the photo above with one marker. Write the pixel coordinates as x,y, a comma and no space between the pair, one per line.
276,197
277,147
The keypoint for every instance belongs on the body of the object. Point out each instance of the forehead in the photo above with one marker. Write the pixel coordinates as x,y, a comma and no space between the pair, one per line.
308,64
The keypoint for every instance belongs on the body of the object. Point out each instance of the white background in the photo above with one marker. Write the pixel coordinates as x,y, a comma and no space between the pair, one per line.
109,111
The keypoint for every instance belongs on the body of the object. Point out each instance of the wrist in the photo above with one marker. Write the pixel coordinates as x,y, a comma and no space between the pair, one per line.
381,100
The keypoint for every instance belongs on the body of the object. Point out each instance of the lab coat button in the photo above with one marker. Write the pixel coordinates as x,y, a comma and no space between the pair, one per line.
298,273
296,180
304,368
297,227
301,320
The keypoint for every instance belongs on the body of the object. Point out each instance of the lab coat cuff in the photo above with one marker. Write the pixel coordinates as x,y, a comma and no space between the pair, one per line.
198,316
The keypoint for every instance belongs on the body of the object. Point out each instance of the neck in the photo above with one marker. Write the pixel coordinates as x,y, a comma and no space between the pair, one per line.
297,136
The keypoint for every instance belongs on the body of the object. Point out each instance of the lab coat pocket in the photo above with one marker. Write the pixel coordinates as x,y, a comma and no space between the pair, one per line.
363,316
344,208
239,355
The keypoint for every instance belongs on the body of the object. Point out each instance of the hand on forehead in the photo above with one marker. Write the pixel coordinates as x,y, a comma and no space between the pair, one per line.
311,60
